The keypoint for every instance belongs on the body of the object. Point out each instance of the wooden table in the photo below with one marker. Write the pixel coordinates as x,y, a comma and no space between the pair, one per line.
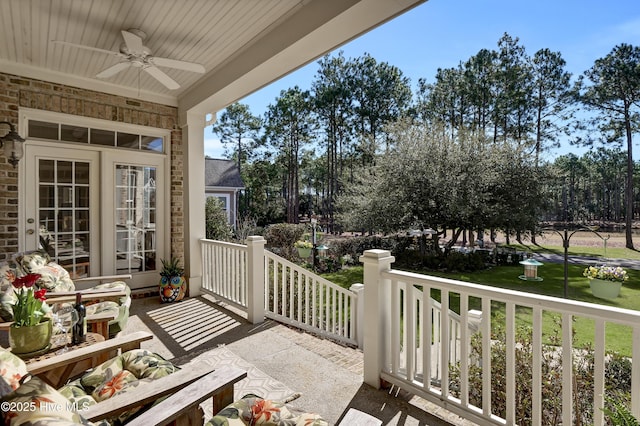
99,323
57,376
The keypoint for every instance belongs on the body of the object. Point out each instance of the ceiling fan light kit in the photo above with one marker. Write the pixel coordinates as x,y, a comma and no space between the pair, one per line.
134,53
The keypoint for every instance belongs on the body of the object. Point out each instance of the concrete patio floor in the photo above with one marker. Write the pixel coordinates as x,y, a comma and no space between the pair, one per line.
327,375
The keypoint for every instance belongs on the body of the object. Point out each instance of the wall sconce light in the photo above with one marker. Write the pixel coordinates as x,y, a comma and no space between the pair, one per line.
12,145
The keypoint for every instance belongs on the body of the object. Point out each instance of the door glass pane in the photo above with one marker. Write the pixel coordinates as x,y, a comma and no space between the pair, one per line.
63,213
135,205
74,133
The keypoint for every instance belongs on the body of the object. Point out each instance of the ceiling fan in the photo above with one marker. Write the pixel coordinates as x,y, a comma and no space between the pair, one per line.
133,53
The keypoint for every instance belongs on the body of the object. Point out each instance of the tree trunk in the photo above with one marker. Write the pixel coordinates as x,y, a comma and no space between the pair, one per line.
629,210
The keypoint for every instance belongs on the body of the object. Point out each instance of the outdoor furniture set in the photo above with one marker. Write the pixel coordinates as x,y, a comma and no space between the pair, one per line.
110,379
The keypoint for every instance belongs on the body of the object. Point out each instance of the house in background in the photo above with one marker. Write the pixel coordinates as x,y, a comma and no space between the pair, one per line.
222,180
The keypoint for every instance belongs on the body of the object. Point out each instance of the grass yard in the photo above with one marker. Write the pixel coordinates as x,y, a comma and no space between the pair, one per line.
618,337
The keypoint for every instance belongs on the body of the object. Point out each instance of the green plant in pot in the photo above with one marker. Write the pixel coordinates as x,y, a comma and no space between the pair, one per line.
605,281
172,282
30,332
304,248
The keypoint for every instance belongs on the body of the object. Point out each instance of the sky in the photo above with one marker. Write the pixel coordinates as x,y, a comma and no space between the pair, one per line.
442,33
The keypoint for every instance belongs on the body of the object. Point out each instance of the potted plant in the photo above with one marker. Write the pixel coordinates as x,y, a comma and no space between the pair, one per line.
304,248
605,281
172,282
30,332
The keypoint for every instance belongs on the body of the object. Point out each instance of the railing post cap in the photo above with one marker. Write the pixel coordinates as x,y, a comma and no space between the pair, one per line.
356,287
256,239
376,255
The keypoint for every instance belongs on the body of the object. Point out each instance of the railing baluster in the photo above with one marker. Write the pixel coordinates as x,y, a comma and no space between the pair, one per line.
635,372
427,345
410,331
396,317
598,371
536,382
445,336
486,357
567,369
510,336
464,349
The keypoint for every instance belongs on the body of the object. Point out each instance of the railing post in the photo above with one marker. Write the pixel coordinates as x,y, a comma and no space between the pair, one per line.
377,294
358,291
255,279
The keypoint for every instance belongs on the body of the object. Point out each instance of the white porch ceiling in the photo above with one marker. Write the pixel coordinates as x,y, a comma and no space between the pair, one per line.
243,44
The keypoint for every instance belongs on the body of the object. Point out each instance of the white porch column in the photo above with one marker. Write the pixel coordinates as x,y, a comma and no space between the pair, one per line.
255,278
194,199
377,294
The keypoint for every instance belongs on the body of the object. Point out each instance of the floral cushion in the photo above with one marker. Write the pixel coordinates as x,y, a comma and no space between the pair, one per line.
8,273
41,405
12,370
117,375
54,277
253,410
31,262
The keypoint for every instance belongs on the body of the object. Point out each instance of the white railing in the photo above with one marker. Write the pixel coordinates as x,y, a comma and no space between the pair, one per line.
403,327
264,284
299,297
224,271
437,340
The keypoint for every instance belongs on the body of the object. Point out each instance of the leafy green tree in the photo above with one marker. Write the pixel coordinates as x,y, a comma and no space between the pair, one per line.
382,95
611,87
289,127
444,183
333,104
551,98
263,191
238,127
217,224
512,113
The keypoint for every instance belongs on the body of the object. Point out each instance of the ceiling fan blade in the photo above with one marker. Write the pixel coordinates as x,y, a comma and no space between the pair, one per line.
162,77
113,70
133,42
179,65
82,46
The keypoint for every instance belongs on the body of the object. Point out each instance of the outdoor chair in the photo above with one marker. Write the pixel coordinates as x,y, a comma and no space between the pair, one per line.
118,390
110,300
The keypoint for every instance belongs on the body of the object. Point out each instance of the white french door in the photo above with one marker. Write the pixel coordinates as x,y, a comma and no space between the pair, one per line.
62,206
97,212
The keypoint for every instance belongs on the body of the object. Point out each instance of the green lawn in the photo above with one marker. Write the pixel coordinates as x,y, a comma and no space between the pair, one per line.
618,337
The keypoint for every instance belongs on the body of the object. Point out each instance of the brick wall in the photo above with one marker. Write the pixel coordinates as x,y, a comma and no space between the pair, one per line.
18,92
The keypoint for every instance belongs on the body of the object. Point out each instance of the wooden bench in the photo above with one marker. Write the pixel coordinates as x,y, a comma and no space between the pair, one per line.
183,406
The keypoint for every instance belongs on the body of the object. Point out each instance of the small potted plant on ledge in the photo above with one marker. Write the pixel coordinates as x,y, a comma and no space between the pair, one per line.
605,281
172,282
304,248
30,332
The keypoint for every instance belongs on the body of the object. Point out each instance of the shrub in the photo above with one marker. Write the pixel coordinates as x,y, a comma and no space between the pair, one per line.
282,237
217,224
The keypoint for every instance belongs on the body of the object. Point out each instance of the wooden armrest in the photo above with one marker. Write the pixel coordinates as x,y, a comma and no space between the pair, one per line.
125,343
220,381
68,297
104,278
163,386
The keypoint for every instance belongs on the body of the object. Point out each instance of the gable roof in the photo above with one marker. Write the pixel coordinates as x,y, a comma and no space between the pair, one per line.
222,173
